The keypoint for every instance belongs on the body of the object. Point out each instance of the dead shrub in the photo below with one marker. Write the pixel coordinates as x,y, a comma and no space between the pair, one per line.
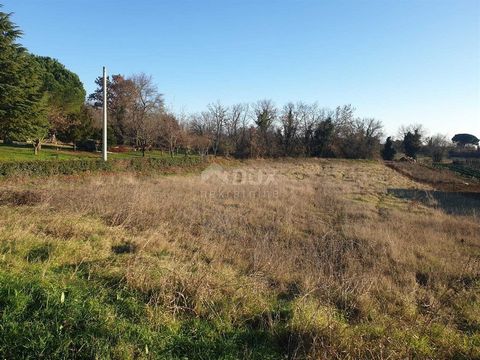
20,197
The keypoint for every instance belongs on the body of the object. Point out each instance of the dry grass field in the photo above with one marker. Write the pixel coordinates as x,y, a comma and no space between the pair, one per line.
298,259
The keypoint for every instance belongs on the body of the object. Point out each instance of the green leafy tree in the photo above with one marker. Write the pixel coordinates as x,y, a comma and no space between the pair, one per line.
412,143
81,126
465,139
388,151
121,97
22,103
64,93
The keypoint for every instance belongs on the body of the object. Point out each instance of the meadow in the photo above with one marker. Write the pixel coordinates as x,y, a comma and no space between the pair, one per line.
259,259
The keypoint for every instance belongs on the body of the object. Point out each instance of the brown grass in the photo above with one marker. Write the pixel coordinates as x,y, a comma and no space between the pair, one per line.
360,273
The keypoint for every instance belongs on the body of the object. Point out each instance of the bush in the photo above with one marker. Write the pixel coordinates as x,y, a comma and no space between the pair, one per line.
87,145
388,152
69,167
48,168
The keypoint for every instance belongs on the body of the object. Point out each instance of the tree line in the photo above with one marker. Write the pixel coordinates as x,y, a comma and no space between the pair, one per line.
137,117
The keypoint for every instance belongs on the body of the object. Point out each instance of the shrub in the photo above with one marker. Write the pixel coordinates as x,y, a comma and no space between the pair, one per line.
46,168
388,151
69,167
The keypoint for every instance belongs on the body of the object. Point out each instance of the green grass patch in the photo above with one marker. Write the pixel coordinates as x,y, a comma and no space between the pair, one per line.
26,153
52,152
57,316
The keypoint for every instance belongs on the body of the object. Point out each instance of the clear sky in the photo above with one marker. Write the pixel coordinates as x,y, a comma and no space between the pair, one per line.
401,61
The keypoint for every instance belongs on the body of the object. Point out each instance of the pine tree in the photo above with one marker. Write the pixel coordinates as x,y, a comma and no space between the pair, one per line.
388,151
22,103
412,143
322,138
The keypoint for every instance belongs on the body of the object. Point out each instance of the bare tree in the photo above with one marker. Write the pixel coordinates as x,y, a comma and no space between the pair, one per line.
171,133
217,115
145,112
360,138
343,119
200,143
148,131
306,118
437,146
199,128
412,128
236,126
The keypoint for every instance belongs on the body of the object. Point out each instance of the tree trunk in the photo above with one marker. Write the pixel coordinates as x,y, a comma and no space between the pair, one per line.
36,146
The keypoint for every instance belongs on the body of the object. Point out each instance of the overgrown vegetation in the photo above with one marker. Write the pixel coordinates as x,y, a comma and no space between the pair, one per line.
440,176
462,169
320,261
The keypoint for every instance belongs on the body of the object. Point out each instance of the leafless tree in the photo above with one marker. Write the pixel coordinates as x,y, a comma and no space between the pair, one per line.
360,138
171,133
217,116
236,126
200,131
145,112
437,146
412,128
344,119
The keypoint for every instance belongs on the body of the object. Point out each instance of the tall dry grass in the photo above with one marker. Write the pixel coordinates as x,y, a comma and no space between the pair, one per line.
359,272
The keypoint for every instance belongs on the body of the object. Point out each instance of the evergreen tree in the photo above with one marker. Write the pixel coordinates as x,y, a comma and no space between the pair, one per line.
64,93
322,138
121,96
22,104
465,139
388,151
412,143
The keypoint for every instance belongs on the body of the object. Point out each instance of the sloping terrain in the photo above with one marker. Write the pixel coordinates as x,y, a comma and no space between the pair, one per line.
441,177
268,259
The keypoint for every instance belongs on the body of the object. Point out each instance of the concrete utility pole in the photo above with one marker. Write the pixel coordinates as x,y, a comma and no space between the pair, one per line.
105,105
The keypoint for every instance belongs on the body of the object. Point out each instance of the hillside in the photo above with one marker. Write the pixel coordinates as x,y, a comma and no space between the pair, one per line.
254,260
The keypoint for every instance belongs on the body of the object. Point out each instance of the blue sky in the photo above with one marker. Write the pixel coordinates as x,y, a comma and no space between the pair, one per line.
401,61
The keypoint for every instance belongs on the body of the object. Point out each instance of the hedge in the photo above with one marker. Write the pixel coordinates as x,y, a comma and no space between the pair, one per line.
69,167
